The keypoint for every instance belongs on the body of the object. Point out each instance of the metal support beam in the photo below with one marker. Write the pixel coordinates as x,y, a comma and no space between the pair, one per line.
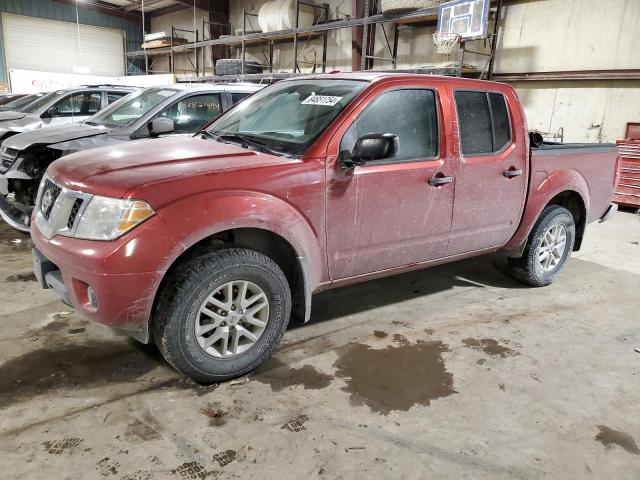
494,40
295,39
357,11
365,36
592,75
220,23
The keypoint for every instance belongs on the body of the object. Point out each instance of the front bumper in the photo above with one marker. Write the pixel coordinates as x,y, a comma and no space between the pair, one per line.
15,214
113,283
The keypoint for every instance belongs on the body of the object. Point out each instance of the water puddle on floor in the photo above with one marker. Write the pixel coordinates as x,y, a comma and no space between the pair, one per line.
396,377
72,367
489,346
609,437
278,375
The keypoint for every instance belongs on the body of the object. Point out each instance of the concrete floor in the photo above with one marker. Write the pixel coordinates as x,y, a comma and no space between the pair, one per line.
453,372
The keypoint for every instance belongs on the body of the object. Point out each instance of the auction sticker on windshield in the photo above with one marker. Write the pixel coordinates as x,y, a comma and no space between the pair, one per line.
326,100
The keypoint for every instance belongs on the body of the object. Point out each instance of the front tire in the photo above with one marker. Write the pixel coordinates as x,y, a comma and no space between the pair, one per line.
548,248
221,314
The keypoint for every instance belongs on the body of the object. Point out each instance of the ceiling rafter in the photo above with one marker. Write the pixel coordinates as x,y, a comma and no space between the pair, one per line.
137,4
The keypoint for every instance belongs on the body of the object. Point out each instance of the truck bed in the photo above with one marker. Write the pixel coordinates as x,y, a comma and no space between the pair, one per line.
550,148
595,163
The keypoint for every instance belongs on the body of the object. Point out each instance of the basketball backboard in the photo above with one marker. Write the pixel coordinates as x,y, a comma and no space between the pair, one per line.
468,18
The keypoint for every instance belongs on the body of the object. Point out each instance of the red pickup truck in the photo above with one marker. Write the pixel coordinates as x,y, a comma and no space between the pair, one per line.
208,245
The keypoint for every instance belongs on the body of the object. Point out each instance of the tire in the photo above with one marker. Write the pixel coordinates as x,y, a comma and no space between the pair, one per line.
178,313
233,66
528,268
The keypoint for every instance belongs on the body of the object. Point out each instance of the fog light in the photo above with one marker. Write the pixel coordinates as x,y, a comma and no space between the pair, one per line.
93,298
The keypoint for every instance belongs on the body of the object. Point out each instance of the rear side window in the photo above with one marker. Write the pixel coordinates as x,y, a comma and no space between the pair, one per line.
410,114
238,96
113,96
484,122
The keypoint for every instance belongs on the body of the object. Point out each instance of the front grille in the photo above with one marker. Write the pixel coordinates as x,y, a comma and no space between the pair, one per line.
58,209
50,193
74,212
7,158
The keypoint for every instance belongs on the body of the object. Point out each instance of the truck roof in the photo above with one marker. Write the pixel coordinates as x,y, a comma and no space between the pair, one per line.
368,76
230,87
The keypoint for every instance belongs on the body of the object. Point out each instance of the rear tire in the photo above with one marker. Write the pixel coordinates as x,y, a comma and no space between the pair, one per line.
212,298
548,248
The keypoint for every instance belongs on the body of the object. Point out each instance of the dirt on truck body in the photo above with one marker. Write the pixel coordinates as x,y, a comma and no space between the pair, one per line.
210,244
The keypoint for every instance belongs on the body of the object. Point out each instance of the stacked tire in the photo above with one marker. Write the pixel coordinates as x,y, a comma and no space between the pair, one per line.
232,66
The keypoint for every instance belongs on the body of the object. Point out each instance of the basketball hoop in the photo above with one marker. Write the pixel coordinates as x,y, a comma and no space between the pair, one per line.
446,42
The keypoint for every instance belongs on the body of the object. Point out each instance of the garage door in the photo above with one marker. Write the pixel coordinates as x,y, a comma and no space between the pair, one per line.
52,46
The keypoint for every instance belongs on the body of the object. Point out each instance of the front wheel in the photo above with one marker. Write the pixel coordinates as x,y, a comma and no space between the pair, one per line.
548,248
222,314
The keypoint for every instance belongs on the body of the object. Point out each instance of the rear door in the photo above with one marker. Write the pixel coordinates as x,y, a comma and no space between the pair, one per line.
386,214
492,177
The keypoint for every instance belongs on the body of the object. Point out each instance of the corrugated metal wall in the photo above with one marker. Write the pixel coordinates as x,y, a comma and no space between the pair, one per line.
52,10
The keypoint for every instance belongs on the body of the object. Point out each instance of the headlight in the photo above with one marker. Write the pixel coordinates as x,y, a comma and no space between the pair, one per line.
108,218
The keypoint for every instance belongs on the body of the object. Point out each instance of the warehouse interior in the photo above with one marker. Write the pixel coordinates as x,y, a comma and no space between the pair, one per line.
409,318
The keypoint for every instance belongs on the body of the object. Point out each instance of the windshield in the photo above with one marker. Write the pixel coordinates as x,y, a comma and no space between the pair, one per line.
21,102
40,102
127,110
288,116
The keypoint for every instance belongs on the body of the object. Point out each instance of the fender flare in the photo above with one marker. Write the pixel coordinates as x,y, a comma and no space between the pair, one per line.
195,218
550,186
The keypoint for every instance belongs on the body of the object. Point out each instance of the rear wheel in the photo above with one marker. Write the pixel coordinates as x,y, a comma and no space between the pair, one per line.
222,314
548,248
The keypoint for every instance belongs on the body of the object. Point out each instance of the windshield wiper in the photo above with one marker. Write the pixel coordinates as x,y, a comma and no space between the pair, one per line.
95,124
244,141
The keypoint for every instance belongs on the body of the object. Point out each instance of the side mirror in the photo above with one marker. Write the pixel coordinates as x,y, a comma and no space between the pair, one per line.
374,146
160,126
52,112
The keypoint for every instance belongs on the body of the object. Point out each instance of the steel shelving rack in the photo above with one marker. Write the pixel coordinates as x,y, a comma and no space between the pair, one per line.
150,55
320,29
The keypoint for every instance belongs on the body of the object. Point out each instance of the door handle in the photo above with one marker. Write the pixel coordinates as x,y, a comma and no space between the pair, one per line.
438,181
512,173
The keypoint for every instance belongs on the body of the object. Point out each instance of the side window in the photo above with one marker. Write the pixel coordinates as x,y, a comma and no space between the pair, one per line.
238,96
500,121
113,96
411,114
192,113
484,122
79,104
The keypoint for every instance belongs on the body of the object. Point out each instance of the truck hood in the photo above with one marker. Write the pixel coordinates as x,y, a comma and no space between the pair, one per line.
18,122
55,134
11,115
115,170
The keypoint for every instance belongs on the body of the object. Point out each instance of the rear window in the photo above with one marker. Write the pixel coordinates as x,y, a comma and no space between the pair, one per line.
484,122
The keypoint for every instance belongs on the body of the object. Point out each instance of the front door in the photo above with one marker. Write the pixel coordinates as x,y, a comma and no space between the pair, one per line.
491,181
386,213
74,108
